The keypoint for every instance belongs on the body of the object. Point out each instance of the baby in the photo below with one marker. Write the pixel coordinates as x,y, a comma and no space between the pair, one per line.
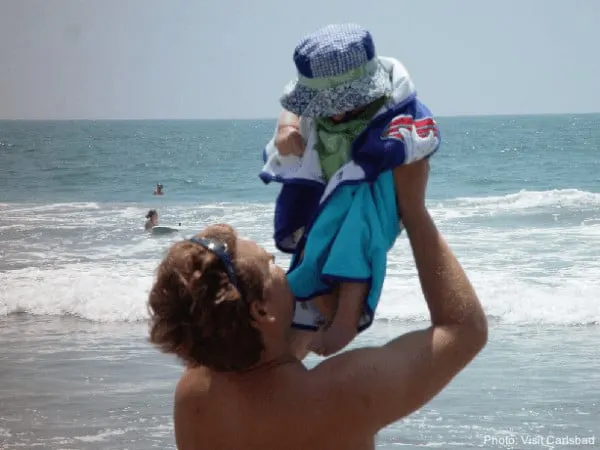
343,317
349,119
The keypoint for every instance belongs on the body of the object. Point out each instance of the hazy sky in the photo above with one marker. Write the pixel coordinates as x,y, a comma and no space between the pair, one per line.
231,58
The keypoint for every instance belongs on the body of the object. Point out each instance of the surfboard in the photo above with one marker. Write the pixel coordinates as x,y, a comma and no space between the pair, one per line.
163,229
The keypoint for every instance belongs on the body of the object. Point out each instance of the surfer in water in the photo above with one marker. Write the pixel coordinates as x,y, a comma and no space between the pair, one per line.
151,220
158,190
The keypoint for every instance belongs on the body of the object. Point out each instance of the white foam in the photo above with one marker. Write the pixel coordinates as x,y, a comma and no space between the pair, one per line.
104,293
570,300
522,202
103,436
522,273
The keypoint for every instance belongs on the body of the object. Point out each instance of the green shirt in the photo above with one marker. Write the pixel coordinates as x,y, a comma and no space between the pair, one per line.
334,140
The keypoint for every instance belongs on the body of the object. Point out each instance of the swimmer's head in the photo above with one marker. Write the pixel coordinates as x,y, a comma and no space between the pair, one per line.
151,213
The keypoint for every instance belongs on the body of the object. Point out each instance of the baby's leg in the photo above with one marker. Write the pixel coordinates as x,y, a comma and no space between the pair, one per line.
327,304
351,298
344,327
303,341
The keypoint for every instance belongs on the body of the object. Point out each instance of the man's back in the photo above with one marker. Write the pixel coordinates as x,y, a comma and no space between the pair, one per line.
289,407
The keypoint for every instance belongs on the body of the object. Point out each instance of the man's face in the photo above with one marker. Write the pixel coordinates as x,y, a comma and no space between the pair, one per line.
279,300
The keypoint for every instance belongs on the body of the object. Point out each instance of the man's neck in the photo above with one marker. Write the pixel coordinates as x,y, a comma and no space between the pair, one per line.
272,363
270,360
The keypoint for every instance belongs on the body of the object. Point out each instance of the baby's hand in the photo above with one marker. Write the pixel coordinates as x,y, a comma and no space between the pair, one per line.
334,338
289,141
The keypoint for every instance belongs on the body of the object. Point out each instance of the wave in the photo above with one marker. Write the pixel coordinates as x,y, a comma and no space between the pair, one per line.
105,292
520,203
92,261
571,299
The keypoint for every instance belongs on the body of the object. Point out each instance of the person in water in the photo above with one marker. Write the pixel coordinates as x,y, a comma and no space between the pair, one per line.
361,117
151,219
223,306
158,190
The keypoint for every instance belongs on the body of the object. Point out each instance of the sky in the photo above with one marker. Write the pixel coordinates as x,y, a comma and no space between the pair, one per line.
202,59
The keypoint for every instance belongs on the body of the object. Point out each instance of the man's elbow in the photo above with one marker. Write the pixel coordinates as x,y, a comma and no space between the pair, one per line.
475,333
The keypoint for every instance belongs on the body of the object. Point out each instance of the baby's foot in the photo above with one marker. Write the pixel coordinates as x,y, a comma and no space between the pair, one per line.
333,339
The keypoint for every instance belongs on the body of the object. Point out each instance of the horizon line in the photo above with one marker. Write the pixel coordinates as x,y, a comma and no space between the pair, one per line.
240,119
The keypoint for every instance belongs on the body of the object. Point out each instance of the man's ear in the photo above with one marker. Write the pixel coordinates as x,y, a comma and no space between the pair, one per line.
260,313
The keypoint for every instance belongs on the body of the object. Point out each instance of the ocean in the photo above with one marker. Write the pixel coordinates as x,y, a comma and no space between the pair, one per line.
518,199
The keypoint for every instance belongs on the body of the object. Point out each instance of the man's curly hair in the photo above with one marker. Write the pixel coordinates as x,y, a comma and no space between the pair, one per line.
196,312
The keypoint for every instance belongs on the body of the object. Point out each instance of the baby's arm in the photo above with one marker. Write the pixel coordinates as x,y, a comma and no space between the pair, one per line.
344,326
288,139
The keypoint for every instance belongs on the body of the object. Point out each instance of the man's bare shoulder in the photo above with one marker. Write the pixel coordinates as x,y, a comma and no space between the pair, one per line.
192,396
334,375
193,386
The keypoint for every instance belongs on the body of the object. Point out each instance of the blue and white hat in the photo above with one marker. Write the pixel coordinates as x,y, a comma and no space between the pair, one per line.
338,71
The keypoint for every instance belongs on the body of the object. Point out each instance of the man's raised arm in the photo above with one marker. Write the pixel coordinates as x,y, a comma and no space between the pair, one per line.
373,387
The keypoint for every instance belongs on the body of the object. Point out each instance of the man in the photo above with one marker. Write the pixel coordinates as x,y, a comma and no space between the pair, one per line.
223,306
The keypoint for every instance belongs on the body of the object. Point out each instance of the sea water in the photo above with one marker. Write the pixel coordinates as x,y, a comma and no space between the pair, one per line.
518,199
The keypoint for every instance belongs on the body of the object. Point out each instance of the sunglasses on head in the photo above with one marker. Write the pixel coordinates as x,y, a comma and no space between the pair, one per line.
220,249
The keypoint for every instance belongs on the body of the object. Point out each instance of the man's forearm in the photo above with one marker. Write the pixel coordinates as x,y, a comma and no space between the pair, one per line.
449,294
